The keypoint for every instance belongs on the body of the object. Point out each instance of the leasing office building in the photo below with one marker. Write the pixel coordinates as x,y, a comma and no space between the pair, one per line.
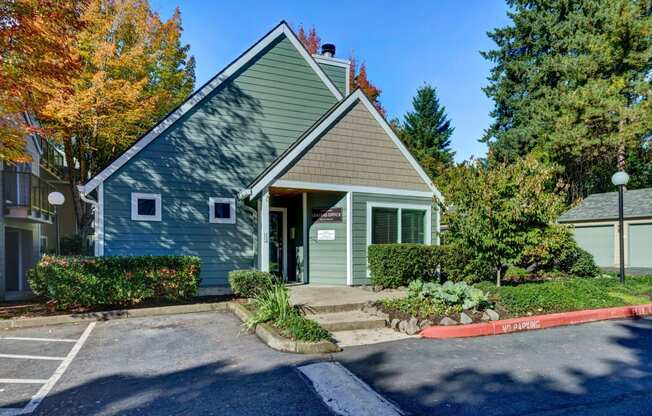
272,164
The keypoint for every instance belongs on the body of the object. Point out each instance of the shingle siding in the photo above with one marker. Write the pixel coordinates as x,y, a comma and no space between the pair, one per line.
216,149
356,151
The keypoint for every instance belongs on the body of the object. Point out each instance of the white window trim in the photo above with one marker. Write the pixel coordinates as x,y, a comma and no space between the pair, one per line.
135,196
211,210
428,221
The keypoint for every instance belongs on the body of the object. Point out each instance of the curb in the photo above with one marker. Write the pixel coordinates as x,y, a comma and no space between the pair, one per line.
110,315
270,336
529,323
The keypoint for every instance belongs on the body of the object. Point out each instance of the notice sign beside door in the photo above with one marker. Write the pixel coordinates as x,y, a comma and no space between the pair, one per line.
325,235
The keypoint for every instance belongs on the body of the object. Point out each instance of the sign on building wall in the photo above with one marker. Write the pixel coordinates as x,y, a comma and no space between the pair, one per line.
325,235
327,215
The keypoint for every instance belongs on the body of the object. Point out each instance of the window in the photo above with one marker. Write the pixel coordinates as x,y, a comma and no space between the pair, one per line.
221,210
389,223
145,207
384,225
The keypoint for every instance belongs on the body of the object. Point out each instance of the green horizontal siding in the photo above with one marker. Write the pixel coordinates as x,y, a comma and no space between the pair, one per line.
327,259
360,227
337,74
216,149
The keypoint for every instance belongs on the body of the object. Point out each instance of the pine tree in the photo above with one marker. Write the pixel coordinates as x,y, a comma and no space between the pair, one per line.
571,83
427,131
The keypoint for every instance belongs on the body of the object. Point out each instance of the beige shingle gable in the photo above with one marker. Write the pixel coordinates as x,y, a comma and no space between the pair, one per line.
356,150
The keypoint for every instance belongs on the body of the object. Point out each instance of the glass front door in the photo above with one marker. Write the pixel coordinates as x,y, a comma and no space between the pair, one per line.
276,244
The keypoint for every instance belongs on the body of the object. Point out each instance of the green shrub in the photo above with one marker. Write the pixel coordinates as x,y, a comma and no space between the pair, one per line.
98,281
394,265
247,283
273,305
583,264
449,294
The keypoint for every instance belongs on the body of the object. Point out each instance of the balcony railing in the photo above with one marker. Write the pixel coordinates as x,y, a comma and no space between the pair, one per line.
26,190
51,158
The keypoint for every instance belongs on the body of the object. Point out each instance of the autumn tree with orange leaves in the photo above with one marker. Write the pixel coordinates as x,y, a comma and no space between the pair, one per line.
133,70
312,42
37,61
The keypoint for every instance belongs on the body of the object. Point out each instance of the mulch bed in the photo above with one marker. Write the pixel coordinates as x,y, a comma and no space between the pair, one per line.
36,308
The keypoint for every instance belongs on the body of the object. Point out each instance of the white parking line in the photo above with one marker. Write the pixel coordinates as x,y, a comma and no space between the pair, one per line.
32,357
344,393
49,383
23,381
40,339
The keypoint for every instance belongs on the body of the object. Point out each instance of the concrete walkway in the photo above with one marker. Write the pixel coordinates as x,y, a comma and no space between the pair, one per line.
318,297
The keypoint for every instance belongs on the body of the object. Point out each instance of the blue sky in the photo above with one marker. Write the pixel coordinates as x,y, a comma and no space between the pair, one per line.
437,42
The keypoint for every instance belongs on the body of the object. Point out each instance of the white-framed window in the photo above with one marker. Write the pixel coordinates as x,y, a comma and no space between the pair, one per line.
398,223
221,210
145,207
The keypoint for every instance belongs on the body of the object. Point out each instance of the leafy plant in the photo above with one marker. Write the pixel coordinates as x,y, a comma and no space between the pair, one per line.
394,265
449,294
247,283
97,281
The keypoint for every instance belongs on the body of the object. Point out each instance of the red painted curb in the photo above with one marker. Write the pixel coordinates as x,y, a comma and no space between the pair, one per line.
529,323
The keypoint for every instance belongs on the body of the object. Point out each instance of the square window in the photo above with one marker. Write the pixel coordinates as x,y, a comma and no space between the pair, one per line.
145,207
221,210
384,226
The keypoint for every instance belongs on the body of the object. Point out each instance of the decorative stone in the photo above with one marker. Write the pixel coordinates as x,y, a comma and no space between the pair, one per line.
493,315
394,323
425,323
402,326
485,317
412,327
465,319
446,321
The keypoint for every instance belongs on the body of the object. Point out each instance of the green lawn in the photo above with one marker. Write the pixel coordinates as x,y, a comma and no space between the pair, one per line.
569,294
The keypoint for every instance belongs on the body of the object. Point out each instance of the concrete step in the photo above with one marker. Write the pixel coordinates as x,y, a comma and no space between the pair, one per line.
328,309
350,320
368,336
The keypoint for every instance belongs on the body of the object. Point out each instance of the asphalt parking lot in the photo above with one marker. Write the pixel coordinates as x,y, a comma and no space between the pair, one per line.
204,364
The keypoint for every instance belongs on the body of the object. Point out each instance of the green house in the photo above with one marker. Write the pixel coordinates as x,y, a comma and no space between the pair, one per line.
595,222
273,164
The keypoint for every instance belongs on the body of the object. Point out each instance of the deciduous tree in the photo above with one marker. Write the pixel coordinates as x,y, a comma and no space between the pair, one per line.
37,61
133,70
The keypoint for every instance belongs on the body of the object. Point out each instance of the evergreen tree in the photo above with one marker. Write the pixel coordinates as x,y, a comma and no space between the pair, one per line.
571,83
427,131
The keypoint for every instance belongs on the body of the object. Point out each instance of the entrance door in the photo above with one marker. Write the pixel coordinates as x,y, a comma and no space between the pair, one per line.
278,259
14,258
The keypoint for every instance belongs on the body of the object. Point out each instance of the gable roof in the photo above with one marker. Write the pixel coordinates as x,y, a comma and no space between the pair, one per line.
304,142
637,203
201,93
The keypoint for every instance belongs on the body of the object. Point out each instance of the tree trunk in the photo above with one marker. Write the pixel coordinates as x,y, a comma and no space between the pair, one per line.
82,211
499,270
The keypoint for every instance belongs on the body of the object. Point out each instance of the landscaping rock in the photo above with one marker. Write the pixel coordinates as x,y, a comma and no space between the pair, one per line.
485,317
446,321
394,324
412,327
465,319
402,326
493,315
425,323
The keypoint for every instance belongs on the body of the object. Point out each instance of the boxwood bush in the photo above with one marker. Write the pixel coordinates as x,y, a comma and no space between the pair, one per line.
395,265
248,283
118,281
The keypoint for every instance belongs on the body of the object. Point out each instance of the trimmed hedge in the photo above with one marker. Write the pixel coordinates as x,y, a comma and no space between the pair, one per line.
248,283
101,281
395,265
